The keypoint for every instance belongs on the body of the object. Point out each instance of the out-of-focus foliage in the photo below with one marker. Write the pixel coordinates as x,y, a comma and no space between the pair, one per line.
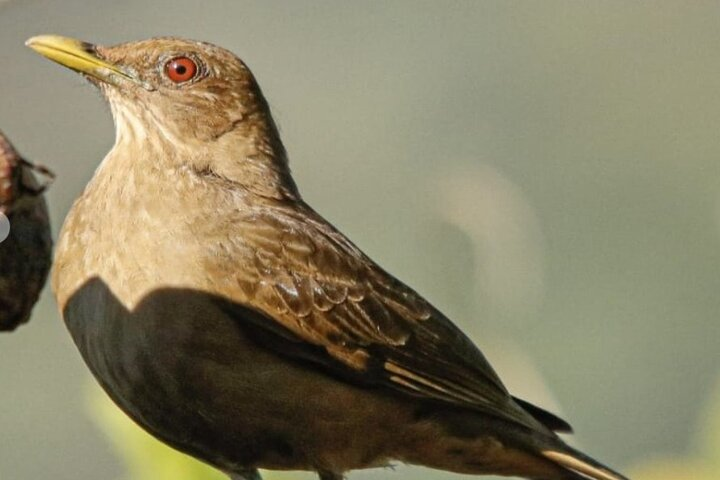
702,463
145,457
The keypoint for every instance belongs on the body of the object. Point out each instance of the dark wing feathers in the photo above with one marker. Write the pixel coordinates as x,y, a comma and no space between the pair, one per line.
550,420
326,292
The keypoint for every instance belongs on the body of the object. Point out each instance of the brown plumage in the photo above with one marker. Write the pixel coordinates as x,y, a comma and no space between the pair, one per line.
25,254
233,322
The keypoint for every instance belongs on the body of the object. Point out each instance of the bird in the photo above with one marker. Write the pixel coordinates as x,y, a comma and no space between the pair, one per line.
25,239
233,322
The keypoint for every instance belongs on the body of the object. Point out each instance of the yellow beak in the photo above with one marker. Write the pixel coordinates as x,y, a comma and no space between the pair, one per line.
81,57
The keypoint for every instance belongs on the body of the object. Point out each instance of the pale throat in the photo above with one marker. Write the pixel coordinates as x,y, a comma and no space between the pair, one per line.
137,126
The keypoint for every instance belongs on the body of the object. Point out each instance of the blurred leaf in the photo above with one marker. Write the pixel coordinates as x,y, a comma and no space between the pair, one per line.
700,465
710,432
664,469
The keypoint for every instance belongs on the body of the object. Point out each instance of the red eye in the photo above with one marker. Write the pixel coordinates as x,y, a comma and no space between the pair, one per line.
181,69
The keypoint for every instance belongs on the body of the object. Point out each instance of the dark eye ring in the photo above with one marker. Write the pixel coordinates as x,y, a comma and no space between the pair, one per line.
181,69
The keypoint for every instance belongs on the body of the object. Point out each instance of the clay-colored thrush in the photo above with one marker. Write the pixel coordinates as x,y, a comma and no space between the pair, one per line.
25,242
232,321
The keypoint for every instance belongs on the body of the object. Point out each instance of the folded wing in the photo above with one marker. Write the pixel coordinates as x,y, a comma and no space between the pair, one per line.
334,306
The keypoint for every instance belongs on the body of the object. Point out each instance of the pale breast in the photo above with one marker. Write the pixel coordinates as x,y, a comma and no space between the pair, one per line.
137,234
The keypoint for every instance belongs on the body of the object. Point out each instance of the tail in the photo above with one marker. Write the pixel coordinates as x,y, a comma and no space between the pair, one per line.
476,444
584,467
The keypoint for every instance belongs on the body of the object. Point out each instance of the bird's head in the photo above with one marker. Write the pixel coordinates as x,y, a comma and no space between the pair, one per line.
184,95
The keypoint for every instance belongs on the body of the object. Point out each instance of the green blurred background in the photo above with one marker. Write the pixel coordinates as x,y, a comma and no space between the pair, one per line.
544,172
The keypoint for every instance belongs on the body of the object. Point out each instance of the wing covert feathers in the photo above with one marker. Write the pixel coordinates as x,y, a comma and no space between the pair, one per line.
312,281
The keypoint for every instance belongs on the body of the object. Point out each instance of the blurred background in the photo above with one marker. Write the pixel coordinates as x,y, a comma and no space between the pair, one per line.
546,173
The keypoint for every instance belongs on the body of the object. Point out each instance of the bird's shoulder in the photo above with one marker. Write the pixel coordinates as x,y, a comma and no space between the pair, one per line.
298,265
